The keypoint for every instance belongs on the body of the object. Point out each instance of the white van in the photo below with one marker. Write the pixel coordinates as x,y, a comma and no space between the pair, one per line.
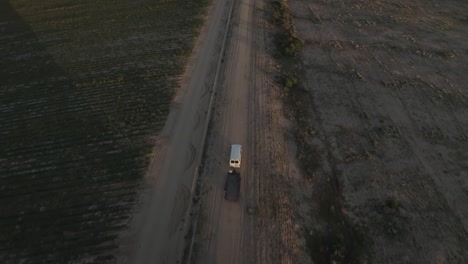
236,152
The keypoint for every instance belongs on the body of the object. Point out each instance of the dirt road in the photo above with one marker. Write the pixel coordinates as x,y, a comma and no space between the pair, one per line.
157,230
225,224
249,112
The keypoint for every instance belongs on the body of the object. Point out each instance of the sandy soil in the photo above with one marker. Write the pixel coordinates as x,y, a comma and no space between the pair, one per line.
388,86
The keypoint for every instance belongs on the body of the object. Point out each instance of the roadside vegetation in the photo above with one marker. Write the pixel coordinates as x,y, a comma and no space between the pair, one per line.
286,40
335,240
86,86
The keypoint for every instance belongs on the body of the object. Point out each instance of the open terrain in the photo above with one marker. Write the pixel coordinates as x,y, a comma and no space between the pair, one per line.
387,98
363,160
379,118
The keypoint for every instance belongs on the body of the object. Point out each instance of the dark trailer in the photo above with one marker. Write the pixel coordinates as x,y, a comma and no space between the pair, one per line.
232,186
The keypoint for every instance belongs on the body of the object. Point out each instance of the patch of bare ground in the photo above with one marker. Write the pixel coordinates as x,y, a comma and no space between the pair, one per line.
385,86
276,177
277,186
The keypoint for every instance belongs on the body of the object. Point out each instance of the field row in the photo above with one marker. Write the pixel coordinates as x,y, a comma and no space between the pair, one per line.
85,87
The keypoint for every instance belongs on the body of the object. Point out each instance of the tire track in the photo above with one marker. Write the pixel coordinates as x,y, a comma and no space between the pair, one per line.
180,206
212,105
191,153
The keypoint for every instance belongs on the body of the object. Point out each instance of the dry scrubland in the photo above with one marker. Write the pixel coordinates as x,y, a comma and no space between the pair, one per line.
85,85
384,102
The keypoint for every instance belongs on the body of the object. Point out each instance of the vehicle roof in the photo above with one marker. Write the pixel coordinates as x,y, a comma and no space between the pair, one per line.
236,152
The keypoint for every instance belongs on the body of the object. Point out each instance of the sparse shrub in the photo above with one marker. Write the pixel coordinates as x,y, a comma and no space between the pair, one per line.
287,41
281,14
289,44
332,210
335,245
289,82
392,203
446,54
293,45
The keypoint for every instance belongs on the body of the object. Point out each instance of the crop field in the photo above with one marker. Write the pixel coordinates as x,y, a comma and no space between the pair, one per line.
85,87
385,89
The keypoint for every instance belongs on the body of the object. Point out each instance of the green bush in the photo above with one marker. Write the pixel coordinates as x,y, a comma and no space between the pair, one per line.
281,15
293,46
287,41
392,203
289,82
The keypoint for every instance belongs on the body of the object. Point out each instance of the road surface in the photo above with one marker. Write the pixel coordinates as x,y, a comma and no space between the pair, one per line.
157,230
226,229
